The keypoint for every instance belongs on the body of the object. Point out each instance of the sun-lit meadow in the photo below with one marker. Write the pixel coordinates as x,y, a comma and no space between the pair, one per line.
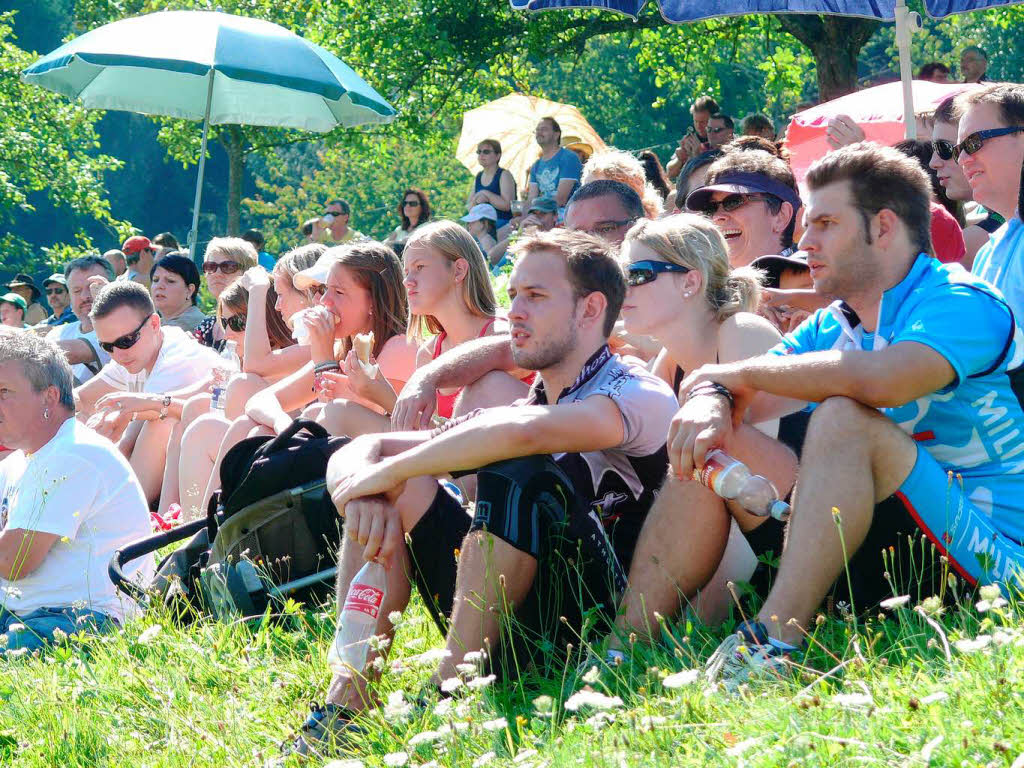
916,686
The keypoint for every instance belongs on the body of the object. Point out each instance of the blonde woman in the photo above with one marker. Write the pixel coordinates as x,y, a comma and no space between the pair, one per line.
682,292
616,165
224,261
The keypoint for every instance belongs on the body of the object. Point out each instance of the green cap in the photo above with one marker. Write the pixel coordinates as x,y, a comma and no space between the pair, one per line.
15,299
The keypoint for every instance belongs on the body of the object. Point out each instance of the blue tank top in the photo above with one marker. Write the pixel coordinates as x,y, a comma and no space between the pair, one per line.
494,188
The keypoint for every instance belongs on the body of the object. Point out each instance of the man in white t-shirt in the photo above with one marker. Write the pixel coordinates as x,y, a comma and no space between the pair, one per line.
78,339
145,357
68,501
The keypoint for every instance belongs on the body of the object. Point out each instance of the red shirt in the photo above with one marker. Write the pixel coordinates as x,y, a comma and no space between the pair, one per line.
947,237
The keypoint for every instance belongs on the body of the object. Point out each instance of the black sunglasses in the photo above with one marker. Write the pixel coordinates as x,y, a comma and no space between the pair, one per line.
977,140
411,203
729,203
236,323
226,267
943,148
55,291
641,272
124,342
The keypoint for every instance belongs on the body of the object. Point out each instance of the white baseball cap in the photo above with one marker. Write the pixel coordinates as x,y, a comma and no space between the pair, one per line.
317,274
481,211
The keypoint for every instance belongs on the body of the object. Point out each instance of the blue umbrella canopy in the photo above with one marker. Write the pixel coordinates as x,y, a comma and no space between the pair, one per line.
169,63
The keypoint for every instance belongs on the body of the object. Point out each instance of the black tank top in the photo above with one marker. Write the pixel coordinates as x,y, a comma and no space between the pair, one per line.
495,189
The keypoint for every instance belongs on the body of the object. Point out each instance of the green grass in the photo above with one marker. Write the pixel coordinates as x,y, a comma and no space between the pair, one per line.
217,694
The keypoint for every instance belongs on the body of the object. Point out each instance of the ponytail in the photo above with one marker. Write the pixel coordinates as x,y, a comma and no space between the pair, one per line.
741,292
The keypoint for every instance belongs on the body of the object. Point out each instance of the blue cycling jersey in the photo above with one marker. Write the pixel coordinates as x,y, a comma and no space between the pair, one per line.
974,427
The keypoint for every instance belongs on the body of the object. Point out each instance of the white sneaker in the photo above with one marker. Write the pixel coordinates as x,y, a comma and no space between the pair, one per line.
745,654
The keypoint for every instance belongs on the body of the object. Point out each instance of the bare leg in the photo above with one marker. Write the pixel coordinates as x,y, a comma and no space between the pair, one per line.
198,454
194,407
346,689
149,456
126,443
680,547
344,417
493,577
240,428
240,389
853,458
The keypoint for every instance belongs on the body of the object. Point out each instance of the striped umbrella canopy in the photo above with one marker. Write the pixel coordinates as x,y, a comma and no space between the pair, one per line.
214,67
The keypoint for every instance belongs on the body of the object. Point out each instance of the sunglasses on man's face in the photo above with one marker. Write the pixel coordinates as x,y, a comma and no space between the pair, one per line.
235,323
729,203
55,291
124,342
641,272
977,140
226,267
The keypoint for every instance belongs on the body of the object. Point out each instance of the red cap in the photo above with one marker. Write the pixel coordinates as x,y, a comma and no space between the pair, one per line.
136,243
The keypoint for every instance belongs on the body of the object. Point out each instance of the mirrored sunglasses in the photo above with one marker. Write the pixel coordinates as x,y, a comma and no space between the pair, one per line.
641,272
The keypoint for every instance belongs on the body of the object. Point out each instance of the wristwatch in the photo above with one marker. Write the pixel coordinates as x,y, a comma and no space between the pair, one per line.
164,406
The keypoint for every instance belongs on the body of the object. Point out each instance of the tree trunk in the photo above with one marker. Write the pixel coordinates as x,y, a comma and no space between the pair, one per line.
234,143
835,42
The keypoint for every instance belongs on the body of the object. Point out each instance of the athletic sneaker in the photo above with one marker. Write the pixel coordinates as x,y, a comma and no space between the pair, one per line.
327,729
744,654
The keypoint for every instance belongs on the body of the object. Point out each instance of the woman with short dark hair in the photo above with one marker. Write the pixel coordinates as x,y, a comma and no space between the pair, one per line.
175,285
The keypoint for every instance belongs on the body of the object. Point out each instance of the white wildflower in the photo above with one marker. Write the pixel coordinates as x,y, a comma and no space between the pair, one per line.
451,685
934,698
395,759
989,592
457,726
415,644
59,635
592,699
344,764
495,725
525,755
149,634
466,669
679,679
397,708
424,737
484,759
892,603
983,606
395,617
433,656
480,682
591,676
473,657
16,627
649,721
599,720
852,700
968,645
444,707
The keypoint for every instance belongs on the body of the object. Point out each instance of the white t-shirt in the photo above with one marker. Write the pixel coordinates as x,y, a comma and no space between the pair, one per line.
70,331
182,362
78,487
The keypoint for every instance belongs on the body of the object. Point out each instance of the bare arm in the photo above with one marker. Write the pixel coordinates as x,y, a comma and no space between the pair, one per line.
564,191
270,406
87,395
22,551
78,351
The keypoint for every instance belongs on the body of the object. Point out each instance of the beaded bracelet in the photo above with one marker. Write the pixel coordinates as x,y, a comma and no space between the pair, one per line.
711,388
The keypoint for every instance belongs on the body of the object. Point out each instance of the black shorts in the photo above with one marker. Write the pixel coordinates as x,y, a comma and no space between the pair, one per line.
530,504
896,558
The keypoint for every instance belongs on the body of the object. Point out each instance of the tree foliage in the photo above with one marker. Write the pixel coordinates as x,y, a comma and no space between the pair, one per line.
49,148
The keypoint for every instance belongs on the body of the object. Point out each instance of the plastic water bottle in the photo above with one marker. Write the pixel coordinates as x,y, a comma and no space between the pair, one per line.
358,619
732,480
229,364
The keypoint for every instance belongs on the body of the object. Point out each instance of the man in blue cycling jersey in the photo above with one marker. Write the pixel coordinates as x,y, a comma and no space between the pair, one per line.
917,425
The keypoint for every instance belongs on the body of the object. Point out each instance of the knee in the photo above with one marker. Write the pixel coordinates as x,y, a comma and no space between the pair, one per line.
835,415
240,389
194,408
315,412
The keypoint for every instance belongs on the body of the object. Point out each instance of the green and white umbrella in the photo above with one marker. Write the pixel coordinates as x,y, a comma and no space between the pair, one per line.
214,67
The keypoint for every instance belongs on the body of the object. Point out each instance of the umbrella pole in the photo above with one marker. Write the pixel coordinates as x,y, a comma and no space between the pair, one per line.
193,235
907,23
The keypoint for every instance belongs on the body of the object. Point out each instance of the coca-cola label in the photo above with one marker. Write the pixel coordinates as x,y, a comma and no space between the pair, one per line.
365,599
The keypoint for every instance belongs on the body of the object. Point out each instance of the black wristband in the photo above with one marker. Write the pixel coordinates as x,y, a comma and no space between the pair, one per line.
711,388
327,365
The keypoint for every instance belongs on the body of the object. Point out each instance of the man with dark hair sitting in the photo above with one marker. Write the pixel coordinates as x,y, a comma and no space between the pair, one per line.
911,373
561,494
145,357
68,501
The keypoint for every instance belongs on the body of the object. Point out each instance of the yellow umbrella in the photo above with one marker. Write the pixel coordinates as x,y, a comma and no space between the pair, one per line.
511,121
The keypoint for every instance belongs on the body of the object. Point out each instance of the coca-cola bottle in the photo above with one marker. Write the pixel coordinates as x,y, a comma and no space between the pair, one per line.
732,480
357,620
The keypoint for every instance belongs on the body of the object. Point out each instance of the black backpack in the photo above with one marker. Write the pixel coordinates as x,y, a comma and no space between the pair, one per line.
274,531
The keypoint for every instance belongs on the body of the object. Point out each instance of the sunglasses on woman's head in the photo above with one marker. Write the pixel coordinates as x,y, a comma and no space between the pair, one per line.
641,272
235,323
226,267
124,342
977,140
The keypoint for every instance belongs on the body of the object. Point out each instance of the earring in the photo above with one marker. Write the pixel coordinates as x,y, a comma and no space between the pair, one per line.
46,413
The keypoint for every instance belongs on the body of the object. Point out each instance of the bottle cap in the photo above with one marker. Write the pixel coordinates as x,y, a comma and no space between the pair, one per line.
779,510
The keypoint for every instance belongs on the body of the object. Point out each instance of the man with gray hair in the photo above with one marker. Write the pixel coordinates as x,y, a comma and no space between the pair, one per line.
78,339
68,501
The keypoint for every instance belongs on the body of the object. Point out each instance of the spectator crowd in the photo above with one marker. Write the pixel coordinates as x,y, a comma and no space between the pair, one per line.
851,336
